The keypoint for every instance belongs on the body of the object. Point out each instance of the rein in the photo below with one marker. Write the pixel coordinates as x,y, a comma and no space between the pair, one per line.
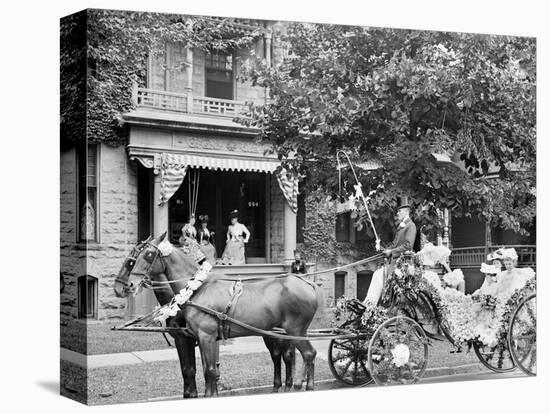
150,284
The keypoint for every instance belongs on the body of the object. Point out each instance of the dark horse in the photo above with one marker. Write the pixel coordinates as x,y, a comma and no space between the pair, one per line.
289,303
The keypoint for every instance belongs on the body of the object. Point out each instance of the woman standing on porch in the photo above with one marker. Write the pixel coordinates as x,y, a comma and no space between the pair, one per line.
188,230
234,248
206,240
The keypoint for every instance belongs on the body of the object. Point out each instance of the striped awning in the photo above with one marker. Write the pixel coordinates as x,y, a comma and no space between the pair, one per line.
172,167
228,164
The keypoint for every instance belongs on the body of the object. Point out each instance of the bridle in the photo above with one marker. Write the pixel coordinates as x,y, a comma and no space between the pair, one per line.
129,265
146,281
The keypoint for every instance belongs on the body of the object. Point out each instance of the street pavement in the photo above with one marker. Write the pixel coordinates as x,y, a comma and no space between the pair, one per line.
237,346
333,384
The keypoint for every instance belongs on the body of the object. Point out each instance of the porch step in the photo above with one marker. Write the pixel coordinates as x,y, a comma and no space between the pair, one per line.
252,269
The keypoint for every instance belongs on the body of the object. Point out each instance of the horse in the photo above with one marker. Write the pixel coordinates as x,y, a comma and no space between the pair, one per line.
185,345
287,302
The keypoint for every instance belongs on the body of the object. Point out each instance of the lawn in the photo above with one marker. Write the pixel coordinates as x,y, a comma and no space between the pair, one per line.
102,340
163,379
156,380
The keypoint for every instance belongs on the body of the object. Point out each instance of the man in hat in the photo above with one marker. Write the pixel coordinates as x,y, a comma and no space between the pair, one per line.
403,241
406,231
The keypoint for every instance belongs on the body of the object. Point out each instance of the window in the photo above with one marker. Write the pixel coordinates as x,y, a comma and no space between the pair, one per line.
339,284
87,297
219,75
343,223
87,193
364,278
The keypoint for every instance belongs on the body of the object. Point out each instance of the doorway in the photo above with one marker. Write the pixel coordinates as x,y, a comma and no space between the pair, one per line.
220,192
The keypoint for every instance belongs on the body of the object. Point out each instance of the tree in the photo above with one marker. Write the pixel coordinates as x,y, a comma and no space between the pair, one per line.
107,50
399,96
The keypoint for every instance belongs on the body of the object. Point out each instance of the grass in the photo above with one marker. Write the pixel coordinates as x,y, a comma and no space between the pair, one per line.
98,338
163,379
157,380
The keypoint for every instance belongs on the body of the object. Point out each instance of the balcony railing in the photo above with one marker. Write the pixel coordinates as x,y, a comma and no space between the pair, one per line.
187,103
472,257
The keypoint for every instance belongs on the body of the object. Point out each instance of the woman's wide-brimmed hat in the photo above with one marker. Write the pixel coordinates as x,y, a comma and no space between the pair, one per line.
488,269
496,255
509,253
203,218
234,214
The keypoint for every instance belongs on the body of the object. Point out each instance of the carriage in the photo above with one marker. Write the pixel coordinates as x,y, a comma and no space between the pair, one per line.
392,341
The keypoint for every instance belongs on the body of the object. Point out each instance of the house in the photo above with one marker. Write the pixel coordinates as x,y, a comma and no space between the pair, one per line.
183,115
185,153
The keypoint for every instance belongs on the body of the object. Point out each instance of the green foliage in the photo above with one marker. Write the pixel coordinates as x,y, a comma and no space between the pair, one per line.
118,45
402,95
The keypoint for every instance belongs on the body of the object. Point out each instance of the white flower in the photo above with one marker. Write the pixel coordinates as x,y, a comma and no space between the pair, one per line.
454,278
194,284
398,272
183,296
434,254
165,248
432,278
200,276
401,355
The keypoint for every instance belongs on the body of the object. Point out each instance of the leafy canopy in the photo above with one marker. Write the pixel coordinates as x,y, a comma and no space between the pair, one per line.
399,96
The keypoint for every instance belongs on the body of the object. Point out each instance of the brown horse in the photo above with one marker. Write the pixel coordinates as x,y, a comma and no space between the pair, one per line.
266,303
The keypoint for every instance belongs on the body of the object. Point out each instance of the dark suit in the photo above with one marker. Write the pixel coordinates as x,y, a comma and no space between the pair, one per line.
298,267
404,239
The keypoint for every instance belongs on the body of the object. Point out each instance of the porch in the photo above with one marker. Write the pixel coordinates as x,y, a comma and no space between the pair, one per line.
187,102
472,257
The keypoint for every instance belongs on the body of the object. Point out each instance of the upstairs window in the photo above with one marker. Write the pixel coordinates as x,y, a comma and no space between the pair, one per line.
343,227
219,75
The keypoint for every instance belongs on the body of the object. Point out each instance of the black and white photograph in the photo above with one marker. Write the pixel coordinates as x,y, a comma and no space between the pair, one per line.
277,208
253,206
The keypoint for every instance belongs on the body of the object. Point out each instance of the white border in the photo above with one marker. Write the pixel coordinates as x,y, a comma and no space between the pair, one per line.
30,203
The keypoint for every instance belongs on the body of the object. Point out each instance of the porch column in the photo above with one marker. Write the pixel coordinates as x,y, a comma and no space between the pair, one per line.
160,213
289,243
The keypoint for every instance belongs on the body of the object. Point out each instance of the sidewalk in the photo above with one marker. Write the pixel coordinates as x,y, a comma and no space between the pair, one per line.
237,346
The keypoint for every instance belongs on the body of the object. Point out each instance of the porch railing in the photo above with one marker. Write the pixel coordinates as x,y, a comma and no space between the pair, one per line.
472,257
187,103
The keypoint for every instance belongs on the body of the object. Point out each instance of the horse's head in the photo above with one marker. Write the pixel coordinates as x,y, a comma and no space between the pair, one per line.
123,286
160,257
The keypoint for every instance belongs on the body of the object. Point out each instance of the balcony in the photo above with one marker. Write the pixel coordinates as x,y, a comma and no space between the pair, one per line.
472,257
187,103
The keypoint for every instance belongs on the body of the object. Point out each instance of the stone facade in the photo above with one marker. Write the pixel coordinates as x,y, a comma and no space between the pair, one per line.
117,224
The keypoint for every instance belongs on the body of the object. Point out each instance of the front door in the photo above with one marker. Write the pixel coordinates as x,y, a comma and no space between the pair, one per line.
219,193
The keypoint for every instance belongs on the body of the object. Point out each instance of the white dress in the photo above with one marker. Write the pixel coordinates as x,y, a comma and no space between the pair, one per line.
234,248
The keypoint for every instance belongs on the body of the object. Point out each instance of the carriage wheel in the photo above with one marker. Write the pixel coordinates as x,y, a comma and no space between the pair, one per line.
348,359
522,335
497,358
398,352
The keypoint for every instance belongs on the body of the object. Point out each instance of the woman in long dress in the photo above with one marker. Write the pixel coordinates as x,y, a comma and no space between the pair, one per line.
234,248
188,230
205,238
487,320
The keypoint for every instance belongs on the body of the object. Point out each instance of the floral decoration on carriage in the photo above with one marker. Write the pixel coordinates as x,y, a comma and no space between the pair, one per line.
418,306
